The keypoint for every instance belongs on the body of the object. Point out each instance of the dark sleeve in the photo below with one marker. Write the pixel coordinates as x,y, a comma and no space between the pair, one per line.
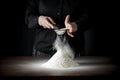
32,14
82,15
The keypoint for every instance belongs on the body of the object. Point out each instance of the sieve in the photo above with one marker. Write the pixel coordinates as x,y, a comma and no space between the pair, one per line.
60,31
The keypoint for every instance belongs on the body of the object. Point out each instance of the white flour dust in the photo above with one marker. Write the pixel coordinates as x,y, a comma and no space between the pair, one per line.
64,57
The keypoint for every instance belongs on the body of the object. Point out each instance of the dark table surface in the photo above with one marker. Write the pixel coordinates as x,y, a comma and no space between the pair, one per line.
30,66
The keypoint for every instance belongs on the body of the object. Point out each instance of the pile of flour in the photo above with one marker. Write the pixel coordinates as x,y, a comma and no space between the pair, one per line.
64,57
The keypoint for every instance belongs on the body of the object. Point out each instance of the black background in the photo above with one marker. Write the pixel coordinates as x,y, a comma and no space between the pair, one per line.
17,39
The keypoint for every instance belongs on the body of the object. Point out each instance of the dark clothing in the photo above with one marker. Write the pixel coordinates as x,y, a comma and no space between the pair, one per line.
41,54
57,10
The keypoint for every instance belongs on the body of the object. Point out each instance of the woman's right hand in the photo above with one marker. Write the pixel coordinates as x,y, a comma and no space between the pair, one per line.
46,22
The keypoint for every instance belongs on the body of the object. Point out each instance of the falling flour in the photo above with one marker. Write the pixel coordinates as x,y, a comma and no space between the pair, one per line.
64,57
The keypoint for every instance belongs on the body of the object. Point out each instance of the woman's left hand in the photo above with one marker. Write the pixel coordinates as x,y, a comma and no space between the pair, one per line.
71,26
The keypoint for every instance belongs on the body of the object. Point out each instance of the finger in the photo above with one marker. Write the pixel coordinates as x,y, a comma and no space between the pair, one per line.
69,28
46,26
51,20
67,19
49,24
70,34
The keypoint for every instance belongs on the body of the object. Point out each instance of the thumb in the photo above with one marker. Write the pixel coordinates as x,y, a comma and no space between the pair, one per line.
67,19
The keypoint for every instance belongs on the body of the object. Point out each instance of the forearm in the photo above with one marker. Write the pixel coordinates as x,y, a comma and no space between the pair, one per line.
32,22
32,14
82,16
83,22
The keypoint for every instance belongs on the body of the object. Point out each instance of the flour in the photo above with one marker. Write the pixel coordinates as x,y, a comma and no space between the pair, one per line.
64,57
